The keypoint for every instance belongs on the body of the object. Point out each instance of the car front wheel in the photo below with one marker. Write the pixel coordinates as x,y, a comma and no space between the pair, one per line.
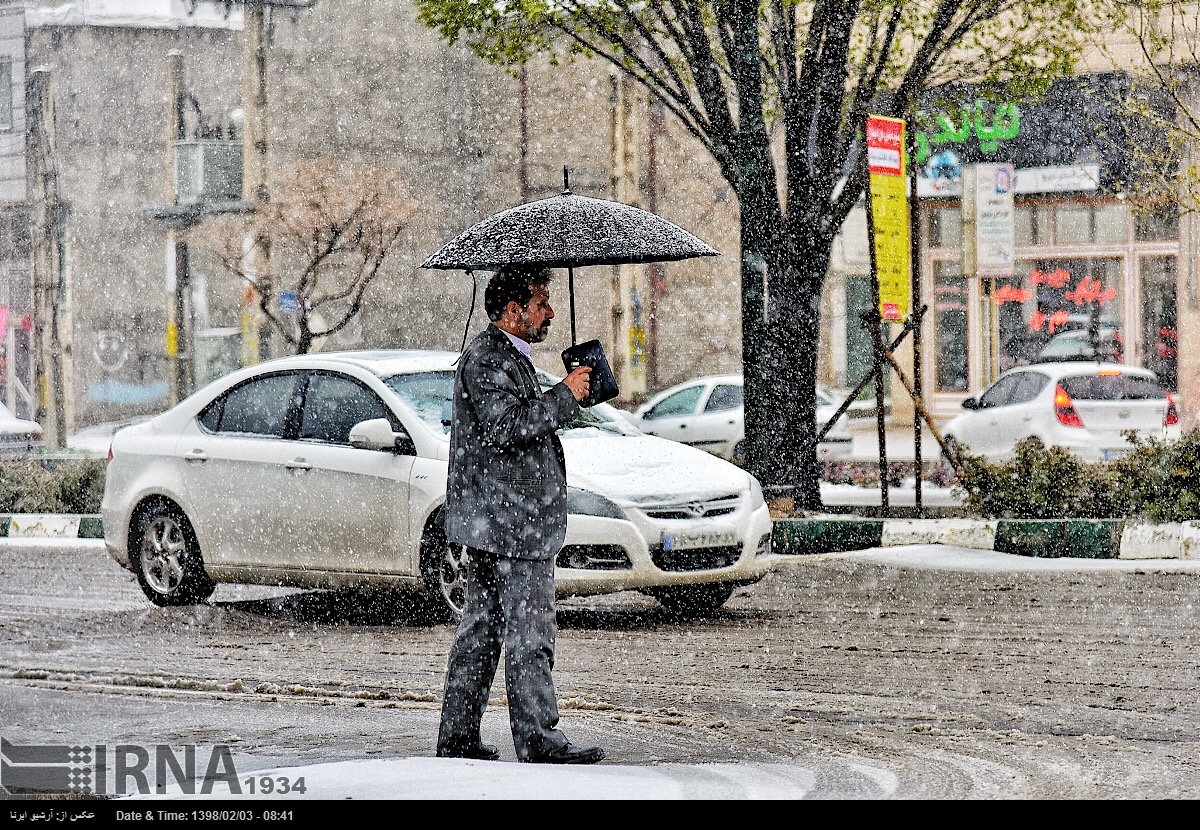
693,600
167,558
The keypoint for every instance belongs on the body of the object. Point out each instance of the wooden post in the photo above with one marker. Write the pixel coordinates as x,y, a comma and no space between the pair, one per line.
254,171
914,237
47,257
879,348
178,333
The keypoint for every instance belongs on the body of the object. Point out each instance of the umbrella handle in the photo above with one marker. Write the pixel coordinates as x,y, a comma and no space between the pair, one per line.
571,294
566,181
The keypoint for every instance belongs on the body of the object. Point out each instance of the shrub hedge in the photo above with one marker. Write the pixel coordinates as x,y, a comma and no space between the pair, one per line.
51,486
1157,481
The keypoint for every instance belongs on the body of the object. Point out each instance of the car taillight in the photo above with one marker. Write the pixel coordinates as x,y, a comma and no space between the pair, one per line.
1172,417
1064,408
110,452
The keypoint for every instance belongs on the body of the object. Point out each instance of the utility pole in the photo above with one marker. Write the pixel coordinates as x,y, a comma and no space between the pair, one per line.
47,256
180,374
256,332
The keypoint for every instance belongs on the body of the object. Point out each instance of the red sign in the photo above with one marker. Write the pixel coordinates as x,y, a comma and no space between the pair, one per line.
885,150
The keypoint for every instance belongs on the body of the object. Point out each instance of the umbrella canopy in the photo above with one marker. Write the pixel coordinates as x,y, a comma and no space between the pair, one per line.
568,231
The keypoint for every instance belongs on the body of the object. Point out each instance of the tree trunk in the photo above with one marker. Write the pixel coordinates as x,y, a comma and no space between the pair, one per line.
781,325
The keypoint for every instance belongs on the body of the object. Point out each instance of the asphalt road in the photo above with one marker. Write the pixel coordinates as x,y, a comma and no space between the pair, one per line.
906,673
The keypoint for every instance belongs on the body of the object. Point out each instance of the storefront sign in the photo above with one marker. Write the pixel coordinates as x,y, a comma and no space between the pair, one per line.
988,206
889,215
1073,178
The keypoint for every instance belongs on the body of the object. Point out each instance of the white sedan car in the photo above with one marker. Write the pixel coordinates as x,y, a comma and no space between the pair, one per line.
329,471
708,413
1082,406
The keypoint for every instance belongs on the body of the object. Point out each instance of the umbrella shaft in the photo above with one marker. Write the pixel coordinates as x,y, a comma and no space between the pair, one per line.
571,295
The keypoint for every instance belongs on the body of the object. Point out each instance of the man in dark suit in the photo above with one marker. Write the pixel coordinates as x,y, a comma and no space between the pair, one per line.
506,500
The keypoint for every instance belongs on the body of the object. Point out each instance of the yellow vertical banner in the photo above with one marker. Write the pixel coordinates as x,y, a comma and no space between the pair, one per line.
889,215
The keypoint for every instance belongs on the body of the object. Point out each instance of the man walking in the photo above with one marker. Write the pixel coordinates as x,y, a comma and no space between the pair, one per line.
506,501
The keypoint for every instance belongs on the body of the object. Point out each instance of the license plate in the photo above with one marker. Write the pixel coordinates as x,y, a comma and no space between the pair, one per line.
1109,455
699,539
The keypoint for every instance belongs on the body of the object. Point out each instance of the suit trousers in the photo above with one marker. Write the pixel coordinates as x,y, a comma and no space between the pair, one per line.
509,605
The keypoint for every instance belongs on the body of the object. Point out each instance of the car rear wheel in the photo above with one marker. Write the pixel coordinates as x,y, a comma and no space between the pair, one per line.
738,456
693,600
444,572
166,557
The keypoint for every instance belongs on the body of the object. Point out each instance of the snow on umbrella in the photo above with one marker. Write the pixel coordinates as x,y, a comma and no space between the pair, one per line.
568,231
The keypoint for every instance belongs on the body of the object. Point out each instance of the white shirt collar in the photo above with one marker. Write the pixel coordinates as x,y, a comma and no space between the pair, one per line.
523,347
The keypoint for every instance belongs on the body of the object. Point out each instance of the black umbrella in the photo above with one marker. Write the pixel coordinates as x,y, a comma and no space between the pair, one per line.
568,231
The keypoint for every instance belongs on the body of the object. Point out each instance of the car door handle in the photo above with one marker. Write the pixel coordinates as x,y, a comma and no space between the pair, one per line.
298,464
195,455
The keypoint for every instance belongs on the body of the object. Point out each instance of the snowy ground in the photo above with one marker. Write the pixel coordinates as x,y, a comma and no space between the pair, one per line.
913,672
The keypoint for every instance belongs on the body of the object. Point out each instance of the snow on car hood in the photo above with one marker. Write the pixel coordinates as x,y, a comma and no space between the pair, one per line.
643,469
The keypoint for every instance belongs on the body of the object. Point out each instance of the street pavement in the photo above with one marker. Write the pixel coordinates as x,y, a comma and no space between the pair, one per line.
428,778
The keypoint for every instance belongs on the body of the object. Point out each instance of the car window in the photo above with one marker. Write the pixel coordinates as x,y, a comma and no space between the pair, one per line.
258,407
682,402
724,396
1030,386
1112,387
429,393
1000,392
333,404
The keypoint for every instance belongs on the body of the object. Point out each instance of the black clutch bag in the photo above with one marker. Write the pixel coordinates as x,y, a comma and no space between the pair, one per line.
602,384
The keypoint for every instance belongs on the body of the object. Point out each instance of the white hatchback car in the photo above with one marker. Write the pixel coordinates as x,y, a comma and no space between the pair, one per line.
1082,406
708,413
329,471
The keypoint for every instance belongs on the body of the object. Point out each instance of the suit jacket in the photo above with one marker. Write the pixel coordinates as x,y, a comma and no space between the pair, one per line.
507,486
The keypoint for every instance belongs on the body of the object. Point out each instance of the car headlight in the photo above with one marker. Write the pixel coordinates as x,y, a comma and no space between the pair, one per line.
757,499
588,503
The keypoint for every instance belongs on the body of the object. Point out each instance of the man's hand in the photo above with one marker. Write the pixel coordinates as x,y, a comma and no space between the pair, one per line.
578,382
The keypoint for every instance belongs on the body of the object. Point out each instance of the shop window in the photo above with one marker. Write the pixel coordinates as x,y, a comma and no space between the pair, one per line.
1157,226
1072,224
945,227
1082,224
1031,225
1051,297
1159,346
1110,223
950,327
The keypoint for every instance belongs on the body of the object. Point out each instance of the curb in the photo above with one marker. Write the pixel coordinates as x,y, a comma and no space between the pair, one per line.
1043,538
50,526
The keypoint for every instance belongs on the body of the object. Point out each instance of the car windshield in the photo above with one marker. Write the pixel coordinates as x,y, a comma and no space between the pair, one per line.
430,393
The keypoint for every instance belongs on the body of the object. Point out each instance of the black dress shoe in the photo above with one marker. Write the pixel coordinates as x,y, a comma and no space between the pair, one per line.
569,754
479,752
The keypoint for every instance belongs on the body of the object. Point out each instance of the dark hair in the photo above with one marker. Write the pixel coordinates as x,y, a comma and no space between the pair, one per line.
512,283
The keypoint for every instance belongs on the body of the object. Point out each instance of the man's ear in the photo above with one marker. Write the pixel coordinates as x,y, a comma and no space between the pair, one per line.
513,308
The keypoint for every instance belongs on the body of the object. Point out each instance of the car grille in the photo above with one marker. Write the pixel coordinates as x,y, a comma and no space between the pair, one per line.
695,559
593,558
720,506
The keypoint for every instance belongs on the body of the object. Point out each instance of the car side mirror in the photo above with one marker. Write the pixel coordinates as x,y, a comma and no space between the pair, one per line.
970,403
377,434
